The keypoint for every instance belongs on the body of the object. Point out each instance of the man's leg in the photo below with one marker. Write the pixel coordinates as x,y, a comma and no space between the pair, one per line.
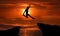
31,16
26,14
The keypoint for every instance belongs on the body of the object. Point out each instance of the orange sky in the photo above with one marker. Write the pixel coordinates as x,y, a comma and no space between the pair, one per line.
44,11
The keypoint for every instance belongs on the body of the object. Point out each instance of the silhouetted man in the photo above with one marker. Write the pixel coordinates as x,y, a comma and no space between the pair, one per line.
26,11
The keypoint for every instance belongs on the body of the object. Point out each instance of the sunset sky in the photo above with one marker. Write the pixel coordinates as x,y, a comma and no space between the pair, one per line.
45,11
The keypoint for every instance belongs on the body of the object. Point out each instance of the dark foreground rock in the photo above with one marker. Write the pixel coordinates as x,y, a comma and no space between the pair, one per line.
49,30
10,32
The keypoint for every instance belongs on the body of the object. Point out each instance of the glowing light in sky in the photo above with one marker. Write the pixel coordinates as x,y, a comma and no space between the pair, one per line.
24,10
25,5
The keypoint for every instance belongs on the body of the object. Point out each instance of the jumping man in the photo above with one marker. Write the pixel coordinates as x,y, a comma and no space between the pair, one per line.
26,11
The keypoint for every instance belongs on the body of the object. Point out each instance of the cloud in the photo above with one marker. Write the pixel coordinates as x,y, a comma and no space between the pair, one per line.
5,27
44,7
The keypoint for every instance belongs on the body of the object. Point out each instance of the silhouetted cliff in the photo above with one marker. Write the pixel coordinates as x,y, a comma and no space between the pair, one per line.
49,30
10,32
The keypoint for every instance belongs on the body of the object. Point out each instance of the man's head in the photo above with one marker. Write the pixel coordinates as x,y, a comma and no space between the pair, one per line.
28,6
